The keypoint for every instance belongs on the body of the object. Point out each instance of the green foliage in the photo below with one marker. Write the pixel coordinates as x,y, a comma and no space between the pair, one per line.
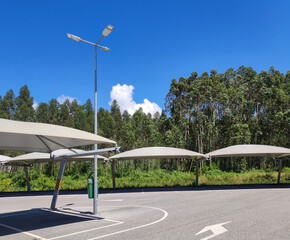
153,178
18,179
202,113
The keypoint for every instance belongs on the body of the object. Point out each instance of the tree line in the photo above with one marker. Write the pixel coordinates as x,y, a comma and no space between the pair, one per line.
202,113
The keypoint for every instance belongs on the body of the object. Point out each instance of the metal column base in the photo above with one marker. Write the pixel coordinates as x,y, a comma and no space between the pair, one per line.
279,171
113,175
58,182
27,179
196,174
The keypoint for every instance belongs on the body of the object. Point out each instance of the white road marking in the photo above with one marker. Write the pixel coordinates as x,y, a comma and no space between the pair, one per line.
89,230
18,214
216,229
21,231
113,200
110,220
25,197
242,190
71,214
134,228
153,193
108,193
83,215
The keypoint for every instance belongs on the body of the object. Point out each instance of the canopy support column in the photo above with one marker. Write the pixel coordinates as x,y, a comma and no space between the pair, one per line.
196,174
191,164
27,179
279,171
58,182
113,175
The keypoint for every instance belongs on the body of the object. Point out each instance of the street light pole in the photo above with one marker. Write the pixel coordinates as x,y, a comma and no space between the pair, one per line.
95,204
105,33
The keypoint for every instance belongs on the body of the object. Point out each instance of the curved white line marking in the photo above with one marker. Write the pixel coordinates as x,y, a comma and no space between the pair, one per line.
85,231
21,231
113,200
134,228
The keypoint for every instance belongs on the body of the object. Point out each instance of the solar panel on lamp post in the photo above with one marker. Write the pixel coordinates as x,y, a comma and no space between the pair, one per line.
108,29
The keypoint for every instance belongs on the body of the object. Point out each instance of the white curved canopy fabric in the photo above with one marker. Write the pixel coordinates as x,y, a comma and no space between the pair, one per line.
158,152
38,157
251,150
42,137
4,158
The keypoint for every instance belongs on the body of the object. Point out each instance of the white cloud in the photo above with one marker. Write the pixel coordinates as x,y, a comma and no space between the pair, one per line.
61,99
35,105
124,96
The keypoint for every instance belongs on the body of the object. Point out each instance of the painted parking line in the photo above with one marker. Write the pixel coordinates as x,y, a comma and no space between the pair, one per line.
18,214
82,215
21,231
114,223
113,200
174,190
109,193
47,211
89,230
134,228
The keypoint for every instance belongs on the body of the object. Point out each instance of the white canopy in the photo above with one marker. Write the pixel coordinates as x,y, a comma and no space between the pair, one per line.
158,152
38,157
251,150
4,158
41,137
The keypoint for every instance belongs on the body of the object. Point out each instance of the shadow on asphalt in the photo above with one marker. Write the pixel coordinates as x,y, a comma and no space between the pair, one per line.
36,219
151,189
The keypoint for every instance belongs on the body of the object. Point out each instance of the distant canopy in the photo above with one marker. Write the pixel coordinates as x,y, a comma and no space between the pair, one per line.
39,157
4,158
251,150
158,152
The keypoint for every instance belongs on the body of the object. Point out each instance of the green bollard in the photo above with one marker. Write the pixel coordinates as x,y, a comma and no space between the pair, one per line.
91,188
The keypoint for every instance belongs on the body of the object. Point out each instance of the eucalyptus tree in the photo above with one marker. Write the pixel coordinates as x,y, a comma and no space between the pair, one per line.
126,117
80,121
7,105
53,111
42,113
116,114
24,105
65,118
105,123
89,112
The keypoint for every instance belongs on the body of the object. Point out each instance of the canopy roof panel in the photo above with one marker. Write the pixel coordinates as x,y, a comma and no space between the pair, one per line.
42,137
158,152
251,150
38,157
4,158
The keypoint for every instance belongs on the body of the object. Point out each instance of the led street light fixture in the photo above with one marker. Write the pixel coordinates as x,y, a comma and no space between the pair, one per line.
107,30
104,48
76,38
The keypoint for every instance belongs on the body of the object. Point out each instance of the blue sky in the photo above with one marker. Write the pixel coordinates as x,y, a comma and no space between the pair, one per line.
153,42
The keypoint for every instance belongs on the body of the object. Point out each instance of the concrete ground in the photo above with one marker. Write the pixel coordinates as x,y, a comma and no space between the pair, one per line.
168,213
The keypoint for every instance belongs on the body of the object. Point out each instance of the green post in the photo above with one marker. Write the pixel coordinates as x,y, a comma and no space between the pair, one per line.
91,188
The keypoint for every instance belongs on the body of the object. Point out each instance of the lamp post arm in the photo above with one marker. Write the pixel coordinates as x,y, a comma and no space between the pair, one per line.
88,42
100,39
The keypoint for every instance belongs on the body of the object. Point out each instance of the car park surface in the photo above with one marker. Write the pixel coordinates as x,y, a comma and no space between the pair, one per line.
249,212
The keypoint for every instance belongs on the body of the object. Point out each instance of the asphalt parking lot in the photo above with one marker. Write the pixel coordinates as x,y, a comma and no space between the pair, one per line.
168,213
